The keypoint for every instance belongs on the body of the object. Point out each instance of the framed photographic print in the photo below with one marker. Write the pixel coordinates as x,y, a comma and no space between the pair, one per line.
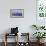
17,13
41,8
41,12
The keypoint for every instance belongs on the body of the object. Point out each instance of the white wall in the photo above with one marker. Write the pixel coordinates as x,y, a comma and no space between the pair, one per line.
24,24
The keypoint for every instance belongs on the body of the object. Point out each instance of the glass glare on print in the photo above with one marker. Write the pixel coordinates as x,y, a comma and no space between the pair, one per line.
17,13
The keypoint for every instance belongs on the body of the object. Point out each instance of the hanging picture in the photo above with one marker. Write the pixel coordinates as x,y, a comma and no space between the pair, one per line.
41,8
41,12
17,13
